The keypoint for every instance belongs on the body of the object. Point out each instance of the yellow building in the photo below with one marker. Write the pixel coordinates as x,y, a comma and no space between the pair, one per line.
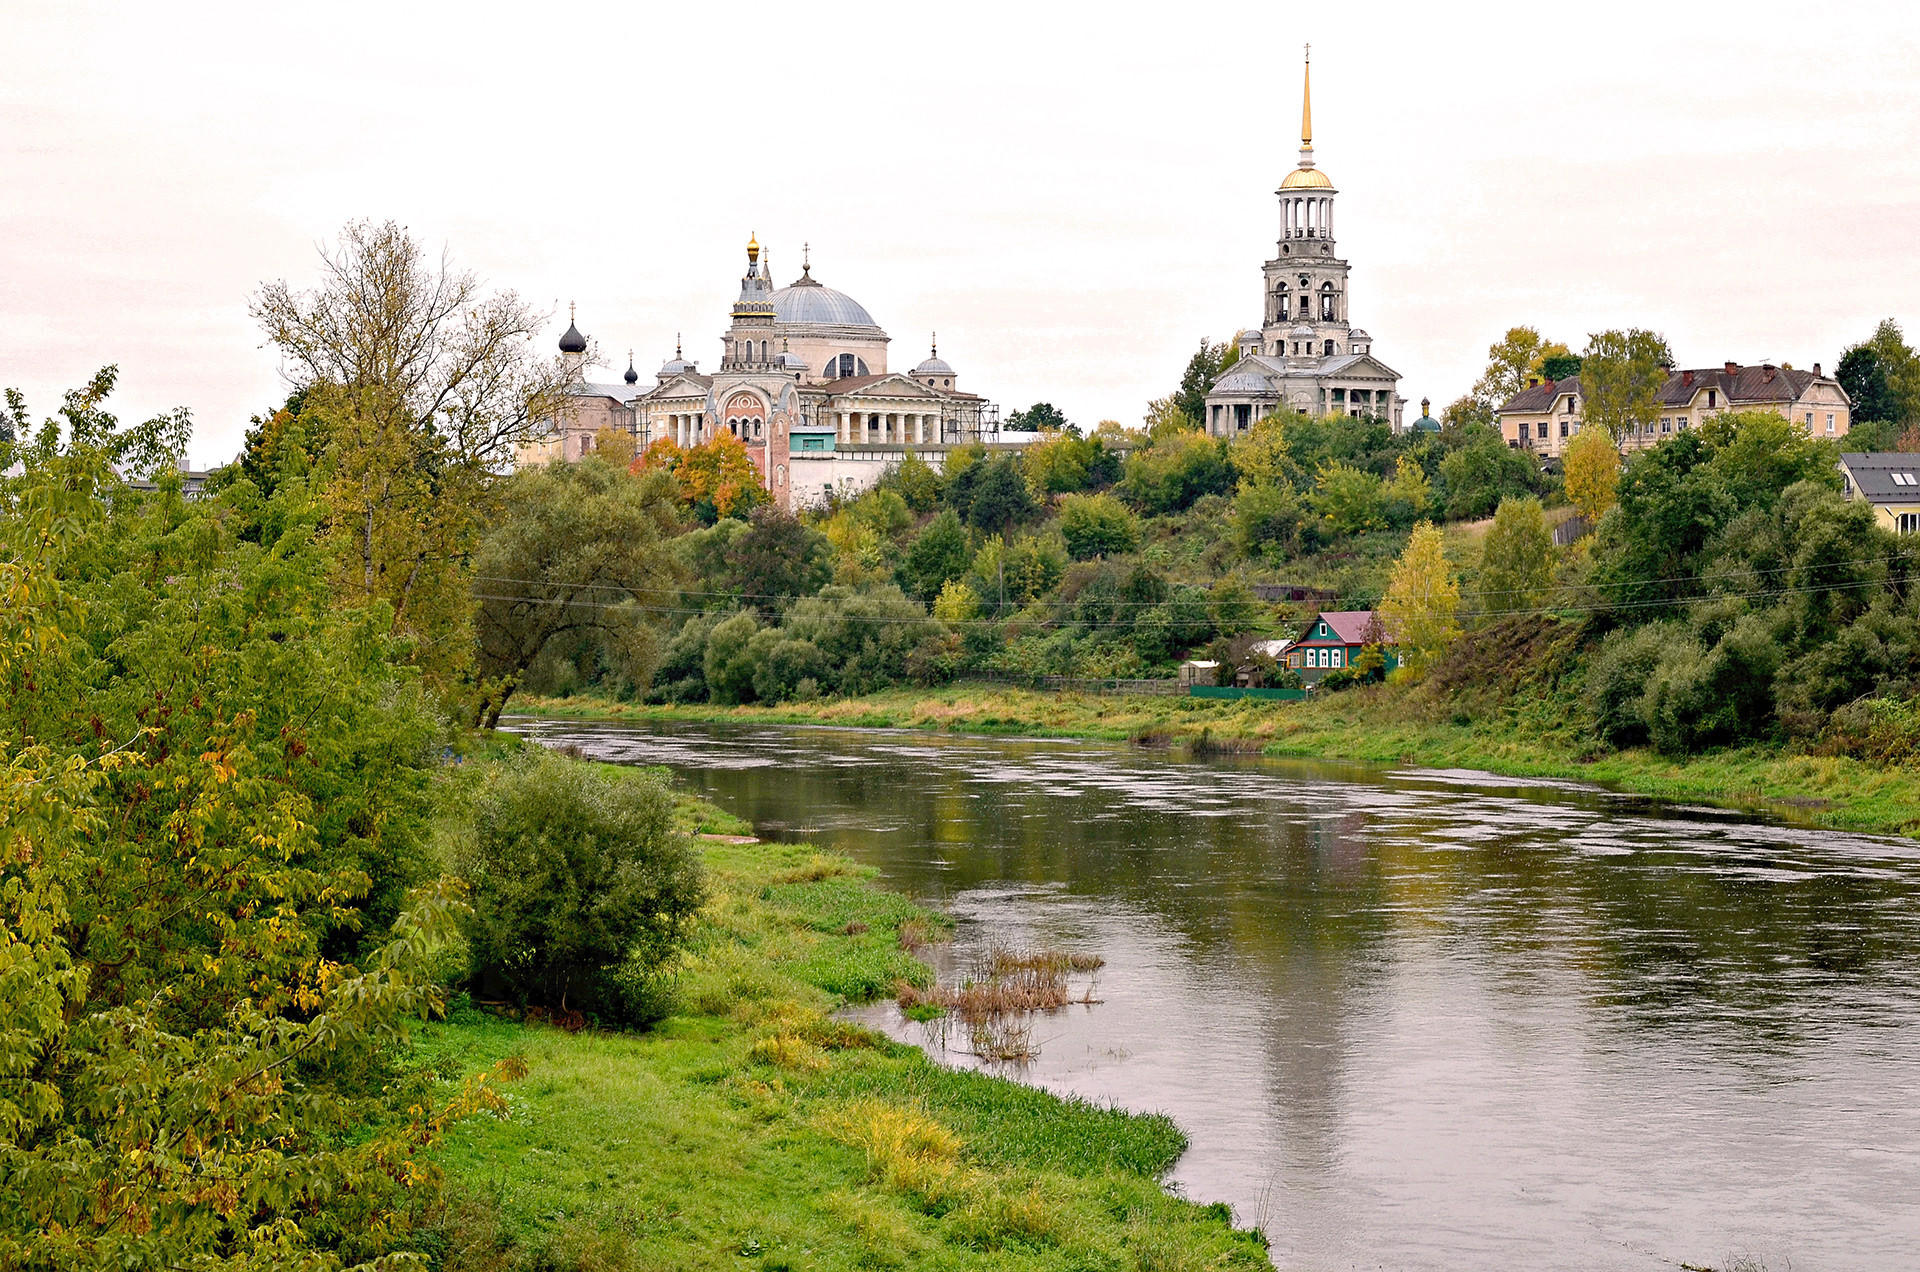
1546,414
1890,481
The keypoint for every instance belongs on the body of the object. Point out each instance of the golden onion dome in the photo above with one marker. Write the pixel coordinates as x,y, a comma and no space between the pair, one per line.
1306,179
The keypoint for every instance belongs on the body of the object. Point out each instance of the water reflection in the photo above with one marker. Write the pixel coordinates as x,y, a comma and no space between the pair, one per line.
1418,1019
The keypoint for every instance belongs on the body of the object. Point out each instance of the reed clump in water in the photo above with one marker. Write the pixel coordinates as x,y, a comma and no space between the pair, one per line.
997,1002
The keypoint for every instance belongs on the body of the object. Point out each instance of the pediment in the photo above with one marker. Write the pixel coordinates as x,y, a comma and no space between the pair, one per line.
893,384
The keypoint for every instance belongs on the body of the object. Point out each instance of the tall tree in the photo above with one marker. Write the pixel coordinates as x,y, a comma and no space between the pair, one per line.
1203,368
1041,417
211,818
1422,601
1516,558
420,383
1510,360
1592,464
1620,377
717,478
938,556
1558,366
1882,376
579,548
777,560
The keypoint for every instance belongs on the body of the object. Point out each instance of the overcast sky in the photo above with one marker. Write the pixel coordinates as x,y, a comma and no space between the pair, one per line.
1073,196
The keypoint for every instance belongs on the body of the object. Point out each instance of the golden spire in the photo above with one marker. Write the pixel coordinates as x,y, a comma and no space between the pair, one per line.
1306,103
753,248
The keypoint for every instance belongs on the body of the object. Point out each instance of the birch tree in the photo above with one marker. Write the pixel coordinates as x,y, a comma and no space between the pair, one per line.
1422,601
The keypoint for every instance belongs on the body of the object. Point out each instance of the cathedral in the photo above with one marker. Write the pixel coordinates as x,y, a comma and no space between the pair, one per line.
802,381
1306,355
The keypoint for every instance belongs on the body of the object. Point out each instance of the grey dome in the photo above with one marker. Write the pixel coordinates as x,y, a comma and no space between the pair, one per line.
791,361
821,306
1357,334
1302,332
675,366
1243,380
933,366
573,341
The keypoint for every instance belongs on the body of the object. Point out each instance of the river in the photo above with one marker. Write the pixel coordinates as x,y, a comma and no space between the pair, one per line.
1414,1019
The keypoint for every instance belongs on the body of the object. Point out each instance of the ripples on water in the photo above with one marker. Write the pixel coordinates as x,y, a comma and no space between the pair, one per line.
1416,1019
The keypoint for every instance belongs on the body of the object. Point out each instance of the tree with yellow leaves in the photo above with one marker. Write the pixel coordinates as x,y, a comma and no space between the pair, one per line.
1423,600
1262,456
718,478
1593,472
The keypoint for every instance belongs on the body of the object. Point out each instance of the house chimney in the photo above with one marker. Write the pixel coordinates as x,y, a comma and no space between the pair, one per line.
1816,370
1533,381
1733,368
1686,379
1770,371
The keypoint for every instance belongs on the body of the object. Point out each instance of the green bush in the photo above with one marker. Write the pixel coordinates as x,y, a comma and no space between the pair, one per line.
936,557
1484,471
1266,520
581,888
1617,680
1699,698
1097,525
729,660
1176,470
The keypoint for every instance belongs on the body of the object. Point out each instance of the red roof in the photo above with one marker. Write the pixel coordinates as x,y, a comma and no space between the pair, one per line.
1349,627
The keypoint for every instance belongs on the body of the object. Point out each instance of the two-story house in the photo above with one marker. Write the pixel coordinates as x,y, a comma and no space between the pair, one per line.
1546,414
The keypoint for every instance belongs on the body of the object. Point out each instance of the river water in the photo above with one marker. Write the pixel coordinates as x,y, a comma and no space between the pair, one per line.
1414,1019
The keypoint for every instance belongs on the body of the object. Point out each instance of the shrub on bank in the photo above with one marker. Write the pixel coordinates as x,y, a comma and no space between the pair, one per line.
582,889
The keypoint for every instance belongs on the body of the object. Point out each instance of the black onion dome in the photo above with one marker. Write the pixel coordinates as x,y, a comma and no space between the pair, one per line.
573,341
632,376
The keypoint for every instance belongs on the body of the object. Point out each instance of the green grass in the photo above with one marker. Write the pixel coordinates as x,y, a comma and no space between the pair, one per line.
754,1131
1379,725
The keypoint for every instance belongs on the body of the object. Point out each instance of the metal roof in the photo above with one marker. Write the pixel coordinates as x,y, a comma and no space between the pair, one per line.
1884,476
820,305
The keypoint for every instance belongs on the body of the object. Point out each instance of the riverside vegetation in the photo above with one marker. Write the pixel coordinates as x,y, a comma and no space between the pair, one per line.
750,1127
248,860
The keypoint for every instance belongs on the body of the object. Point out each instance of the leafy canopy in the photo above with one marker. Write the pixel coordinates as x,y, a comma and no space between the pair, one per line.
1422,600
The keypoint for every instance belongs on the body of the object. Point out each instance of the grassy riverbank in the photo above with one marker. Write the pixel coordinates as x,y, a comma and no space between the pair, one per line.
751,1130
1374,725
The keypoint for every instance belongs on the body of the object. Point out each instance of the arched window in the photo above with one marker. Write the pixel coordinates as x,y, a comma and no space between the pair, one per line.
763,351
1327,303
1329,352
844,364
